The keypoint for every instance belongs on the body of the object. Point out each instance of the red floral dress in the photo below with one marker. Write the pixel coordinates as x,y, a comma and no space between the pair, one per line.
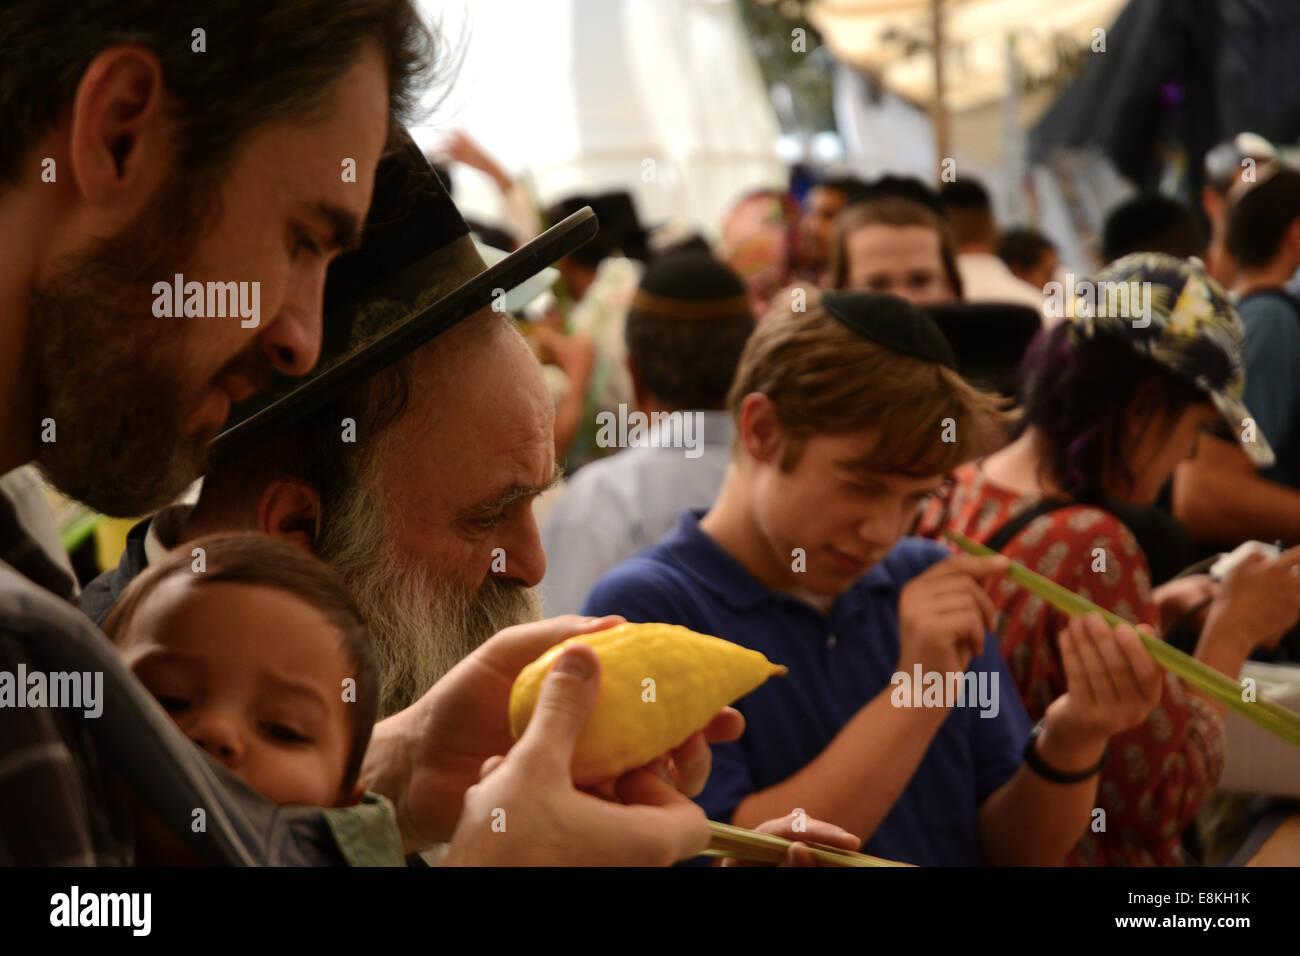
1159,772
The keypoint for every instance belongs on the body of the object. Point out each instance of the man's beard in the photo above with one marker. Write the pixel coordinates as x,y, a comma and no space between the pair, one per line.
419,629
117,381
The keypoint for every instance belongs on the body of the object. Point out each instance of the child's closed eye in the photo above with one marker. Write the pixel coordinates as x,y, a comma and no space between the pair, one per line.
173,705
284,734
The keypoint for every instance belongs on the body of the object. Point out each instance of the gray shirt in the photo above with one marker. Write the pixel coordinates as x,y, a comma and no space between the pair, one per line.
617,506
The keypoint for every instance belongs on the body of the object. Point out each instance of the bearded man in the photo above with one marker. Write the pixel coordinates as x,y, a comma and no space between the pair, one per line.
415,483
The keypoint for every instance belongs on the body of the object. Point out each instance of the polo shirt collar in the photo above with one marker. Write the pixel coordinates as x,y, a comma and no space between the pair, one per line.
718,572
712,567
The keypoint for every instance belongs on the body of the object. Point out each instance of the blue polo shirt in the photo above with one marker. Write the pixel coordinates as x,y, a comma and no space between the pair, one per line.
838,664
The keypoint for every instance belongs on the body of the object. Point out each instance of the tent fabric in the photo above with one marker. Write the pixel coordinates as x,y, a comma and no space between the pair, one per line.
1180,72
893,40
662,98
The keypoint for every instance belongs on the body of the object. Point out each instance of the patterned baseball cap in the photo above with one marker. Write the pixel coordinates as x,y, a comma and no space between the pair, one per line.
1172,311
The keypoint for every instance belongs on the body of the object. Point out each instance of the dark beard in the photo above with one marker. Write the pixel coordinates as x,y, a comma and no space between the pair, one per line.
117,381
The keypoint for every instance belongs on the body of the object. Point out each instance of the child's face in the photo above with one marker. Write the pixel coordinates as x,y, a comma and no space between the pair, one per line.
844,518
254,676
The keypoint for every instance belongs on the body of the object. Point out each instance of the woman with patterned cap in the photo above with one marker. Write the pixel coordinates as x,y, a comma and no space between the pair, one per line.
1112,401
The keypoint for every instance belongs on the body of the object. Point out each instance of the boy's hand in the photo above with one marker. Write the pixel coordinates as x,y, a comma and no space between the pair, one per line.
944,612
1112,683
818,831
526,811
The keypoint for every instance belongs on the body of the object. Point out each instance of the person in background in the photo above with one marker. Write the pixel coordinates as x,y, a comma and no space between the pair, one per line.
984,276
1152,223
903,187
822,205
685,331
1029,255
600,279
760,242
837,403
1108,409
1232,163
518,208
1220,495
890,243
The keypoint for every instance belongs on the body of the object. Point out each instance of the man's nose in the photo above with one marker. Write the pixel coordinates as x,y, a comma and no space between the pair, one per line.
218,733
293,338
524,558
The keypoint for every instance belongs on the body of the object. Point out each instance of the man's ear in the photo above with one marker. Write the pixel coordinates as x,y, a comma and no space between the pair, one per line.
120,141
760,432
289,508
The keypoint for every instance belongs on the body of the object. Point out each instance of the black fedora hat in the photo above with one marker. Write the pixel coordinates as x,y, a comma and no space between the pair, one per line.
989,340
415,244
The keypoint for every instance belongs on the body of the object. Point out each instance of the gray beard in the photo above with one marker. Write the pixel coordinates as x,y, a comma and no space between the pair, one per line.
420,630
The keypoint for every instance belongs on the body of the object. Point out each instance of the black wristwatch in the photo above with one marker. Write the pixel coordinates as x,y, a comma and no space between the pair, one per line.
1045,770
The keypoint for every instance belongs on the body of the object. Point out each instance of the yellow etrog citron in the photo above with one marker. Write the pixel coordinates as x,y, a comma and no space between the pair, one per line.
659,683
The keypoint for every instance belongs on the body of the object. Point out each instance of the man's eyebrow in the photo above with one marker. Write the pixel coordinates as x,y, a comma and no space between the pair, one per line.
509,495
345,227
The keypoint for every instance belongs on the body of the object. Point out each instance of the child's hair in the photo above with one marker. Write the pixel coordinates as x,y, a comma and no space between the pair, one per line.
825,378
1079,392
250,558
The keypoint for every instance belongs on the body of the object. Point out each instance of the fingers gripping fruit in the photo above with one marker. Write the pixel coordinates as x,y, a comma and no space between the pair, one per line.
659,683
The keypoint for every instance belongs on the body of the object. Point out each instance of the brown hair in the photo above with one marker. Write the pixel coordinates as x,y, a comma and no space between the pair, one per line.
251,558
825,378
1260,216
264,61
896,212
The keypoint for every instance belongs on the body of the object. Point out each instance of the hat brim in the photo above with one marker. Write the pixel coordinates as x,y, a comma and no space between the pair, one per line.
521,295
479,292
1234,413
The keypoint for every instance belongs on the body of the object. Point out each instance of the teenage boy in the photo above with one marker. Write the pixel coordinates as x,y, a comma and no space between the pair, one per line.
847,415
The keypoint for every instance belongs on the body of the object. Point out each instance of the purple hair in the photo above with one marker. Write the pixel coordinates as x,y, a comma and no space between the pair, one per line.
1079,391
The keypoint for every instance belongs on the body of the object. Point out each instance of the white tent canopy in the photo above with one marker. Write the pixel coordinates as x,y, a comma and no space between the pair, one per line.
660,97
893,39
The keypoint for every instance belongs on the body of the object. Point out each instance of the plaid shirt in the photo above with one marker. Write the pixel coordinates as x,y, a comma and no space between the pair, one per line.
59,805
